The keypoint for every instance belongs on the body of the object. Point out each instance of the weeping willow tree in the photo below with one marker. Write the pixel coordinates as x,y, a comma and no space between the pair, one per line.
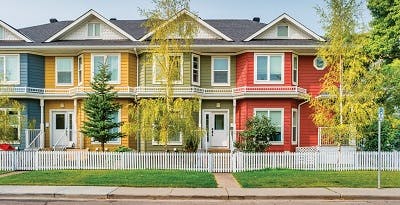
351,86
10,119
167,118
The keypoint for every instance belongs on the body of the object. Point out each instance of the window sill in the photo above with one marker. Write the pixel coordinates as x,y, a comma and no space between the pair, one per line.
221,84
268,82
170,143
277,143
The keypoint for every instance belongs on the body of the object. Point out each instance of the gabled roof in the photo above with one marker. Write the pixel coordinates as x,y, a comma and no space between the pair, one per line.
284,16
197,19
14,31
82,18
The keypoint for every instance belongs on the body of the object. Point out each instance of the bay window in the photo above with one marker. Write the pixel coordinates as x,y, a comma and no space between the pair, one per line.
276,117
294,126
64,71
112,61
295,68
195,69
268,68
174,65
9,69
220,71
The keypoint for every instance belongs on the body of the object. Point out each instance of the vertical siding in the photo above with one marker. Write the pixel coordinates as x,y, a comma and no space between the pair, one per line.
205,72
36,71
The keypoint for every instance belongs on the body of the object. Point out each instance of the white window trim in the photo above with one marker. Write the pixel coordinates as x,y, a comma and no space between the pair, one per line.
295,125
282,37
72,72
111,142
268,81
18,71
177,82
198,68
294,56
180,142
105,56
82,70
315,63
212,71
87,30
19,124
282,120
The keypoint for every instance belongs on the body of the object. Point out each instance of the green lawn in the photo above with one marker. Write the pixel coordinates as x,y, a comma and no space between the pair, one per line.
297,178
3,172
134,178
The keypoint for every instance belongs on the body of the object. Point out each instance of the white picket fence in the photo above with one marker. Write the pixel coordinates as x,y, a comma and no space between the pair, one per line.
204,162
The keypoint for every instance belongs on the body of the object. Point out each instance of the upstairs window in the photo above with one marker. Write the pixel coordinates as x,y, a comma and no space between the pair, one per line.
64,71
282,31
268,68
295,67
276,117
2,33
9,69
110,60
195,69
80,70
93,30
174,63
220,71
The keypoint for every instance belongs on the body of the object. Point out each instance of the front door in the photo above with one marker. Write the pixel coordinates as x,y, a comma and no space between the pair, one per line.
216,125
62,132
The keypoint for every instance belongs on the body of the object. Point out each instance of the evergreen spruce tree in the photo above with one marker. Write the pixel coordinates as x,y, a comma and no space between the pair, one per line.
99,108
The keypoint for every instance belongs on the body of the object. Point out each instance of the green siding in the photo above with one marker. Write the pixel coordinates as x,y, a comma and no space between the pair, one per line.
205,72
146,70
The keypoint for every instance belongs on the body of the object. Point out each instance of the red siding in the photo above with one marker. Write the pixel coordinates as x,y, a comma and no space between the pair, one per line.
245,110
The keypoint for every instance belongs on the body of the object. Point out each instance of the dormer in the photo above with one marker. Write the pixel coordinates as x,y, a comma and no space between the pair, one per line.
91,25
8,33
284,27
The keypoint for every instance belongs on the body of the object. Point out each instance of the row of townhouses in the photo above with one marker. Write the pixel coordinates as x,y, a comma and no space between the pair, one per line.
238,69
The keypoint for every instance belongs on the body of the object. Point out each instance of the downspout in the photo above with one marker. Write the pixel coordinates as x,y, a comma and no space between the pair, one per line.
298,121
137,85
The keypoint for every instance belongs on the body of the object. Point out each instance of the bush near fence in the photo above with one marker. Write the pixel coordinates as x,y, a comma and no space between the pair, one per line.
203,162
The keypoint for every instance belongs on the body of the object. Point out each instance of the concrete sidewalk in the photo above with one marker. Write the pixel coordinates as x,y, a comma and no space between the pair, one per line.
96,192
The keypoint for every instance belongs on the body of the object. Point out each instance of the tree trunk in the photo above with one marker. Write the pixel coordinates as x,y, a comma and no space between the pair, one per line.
102,146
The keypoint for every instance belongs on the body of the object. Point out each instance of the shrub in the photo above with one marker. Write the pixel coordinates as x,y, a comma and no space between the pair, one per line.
257,135
123,149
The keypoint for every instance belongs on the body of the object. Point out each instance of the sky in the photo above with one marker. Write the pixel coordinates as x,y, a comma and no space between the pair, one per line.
25,13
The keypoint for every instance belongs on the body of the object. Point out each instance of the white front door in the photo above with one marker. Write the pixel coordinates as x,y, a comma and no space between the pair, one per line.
216,124
62,132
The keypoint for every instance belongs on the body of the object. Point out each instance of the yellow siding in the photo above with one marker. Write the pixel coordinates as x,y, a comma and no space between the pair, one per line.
50,72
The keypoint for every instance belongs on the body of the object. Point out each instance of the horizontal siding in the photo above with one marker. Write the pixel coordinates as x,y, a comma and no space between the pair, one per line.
205,72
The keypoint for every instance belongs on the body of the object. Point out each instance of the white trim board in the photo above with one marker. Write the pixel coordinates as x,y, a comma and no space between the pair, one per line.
14,31
79,20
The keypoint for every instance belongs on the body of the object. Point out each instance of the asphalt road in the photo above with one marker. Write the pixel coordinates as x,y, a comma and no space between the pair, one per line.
195,202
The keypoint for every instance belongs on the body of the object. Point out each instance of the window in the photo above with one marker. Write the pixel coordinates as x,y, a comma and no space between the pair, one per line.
319,63
268,68
80,70
282,31
93,29
294,126
175,63
295,67
2,33
9,69
195,69
110,60
14,118
276,117
220,71
64,71
115,118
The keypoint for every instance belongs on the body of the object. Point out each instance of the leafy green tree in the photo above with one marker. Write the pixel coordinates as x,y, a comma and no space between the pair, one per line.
99,107
385,32
257,135
8,122
390,137
351,87
166,117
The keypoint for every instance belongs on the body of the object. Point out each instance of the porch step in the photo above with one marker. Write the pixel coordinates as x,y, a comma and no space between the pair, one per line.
219,150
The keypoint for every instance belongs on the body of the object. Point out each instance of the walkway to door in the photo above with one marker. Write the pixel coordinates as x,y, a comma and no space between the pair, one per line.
226,180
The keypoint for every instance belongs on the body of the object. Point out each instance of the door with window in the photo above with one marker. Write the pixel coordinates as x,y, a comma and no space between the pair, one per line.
216,124
62,132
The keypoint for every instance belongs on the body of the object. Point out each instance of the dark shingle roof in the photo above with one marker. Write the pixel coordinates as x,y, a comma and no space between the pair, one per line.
41,33
237,29
134,28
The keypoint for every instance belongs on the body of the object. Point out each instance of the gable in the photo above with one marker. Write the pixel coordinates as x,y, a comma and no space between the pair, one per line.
8,33
205,30
80,32
293,32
